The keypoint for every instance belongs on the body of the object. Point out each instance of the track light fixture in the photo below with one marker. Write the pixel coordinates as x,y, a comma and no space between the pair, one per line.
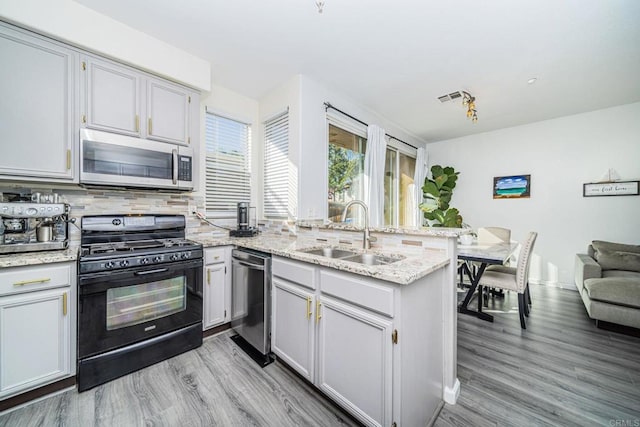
470,102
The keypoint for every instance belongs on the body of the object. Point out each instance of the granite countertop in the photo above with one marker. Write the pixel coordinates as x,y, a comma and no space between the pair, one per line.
35,258
416,262
416,231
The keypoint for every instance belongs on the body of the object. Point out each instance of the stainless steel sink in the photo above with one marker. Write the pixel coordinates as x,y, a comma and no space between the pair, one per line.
372,259
353,256
330,252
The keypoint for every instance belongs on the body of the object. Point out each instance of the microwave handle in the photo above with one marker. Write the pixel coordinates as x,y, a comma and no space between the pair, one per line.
174,152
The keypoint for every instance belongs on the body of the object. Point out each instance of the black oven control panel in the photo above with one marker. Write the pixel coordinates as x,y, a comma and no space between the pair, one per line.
98,264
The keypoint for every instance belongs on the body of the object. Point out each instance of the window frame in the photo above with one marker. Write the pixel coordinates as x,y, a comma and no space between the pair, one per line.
230,213
281,175
347,124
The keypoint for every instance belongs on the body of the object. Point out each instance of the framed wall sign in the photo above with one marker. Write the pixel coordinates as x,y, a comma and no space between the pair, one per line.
622,188
512,187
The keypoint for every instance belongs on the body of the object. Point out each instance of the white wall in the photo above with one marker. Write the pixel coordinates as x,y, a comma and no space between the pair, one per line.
560,155
76,24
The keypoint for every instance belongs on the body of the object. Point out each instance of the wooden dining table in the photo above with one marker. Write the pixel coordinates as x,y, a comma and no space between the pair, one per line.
484,255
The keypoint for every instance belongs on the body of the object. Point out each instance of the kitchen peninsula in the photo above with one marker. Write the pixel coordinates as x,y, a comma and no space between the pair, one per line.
379,340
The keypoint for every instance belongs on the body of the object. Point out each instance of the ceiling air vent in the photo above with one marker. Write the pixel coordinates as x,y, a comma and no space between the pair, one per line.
450,97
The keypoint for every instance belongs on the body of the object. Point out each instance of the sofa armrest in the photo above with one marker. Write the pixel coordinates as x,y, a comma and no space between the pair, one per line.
586,268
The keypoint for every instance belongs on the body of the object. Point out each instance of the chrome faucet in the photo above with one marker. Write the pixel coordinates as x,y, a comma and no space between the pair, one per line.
366,239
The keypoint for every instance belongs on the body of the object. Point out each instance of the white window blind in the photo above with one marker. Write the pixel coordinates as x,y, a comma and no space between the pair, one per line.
228,167
276,167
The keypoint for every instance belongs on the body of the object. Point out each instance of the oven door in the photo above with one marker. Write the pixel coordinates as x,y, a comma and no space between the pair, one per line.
118,308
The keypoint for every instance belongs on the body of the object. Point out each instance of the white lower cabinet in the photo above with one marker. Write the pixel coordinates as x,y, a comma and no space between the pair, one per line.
37,327
374,347
355,360
344,349
292,329
217,286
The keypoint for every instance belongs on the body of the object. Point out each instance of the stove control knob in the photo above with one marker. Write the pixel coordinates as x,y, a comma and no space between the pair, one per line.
109,264
144,261
185,255
124,263
174,257
157,259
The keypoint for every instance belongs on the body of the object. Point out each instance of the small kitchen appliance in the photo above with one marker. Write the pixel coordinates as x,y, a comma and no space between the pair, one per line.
244,222
108,159
29,226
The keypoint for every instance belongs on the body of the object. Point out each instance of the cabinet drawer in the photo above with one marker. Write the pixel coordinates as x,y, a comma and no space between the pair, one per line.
294,272
370,295
214,255
24,279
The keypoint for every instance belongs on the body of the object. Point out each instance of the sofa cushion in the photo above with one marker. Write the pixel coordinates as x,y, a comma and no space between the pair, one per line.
611,246
616,290
618,260
621,273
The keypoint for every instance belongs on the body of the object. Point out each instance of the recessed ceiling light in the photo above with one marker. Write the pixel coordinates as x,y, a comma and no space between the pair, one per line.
532,80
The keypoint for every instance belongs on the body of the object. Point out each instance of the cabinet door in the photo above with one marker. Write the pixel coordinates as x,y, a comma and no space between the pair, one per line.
168,112
214,295
37,101
112,97
35,333
292,328
355,361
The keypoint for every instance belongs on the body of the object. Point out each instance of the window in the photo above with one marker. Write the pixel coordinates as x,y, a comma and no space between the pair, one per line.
346,170
398,188
228,165
276,167
346,176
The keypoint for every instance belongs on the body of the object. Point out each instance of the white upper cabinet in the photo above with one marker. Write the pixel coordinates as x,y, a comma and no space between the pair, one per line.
37,104
120,99
112,97
167,112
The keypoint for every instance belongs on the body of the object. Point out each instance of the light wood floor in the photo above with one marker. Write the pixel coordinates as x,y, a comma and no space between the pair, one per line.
214,385
561,371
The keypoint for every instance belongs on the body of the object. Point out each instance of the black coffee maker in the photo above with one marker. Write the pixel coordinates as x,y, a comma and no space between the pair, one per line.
244,218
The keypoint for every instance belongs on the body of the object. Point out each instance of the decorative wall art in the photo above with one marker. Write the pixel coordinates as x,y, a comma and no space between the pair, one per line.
622,188
512,187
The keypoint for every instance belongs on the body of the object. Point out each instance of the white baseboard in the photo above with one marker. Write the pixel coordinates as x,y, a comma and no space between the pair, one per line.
451,394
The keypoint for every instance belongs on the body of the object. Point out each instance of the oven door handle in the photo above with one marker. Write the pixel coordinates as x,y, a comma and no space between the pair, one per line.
251,266
159,270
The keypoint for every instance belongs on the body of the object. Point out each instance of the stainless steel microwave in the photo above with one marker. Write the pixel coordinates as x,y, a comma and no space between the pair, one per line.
108,159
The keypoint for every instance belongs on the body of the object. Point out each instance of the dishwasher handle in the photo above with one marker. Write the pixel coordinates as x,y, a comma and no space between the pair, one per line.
251,266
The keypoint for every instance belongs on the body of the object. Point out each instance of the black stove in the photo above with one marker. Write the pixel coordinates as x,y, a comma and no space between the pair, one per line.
112,242
140,287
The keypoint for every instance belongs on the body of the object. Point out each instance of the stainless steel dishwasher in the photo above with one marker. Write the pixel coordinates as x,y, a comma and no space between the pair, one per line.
251,302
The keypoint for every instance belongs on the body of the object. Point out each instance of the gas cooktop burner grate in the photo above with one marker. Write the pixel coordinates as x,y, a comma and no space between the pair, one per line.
134,246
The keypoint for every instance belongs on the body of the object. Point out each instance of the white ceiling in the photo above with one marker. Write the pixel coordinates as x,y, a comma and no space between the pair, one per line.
397,56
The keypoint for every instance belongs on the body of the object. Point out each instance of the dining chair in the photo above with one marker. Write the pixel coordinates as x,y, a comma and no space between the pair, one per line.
492,235
517,282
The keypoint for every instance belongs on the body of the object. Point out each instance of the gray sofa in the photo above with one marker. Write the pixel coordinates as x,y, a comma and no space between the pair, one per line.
608,279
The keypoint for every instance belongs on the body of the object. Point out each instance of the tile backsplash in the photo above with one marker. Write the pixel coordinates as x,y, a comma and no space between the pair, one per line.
107,201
